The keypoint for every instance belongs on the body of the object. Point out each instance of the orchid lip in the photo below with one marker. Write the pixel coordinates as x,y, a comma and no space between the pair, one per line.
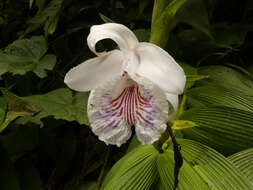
134,105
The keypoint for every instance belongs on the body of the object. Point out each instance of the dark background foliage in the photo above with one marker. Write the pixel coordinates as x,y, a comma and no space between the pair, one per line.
51,146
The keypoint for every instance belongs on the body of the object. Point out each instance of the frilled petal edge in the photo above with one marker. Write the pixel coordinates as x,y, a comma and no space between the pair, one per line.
96,71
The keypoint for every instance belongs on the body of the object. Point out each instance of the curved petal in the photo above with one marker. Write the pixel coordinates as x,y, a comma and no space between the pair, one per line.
173,100
93,72
119,33
160,68
152,112
106,121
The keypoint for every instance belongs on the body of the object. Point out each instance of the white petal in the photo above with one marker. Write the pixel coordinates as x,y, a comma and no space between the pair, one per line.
173,100
160,68
94,72
119,33
152,117
106,122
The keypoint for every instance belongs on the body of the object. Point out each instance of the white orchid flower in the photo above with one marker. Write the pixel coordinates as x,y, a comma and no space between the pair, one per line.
133,86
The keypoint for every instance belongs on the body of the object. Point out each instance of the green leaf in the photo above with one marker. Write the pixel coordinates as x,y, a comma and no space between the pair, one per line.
8,176
61,104
219,96
27,55
216,171
195,14
188,178
16,103
162,20
203,168
10,117
227,77
226,129
48,18
244,162
135,171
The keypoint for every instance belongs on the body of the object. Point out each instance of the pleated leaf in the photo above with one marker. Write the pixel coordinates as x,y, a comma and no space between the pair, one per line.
227,77
215,169
203,168
226,129
218,96
189,179
244,162
136,171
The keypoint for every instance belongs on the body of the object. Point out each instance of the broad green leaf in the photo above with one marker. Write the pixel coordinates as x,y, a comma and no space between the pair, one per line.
61,104
10,116
16,108
226,129
162,20
220,96
227,77
48,18
8,176
216,171
244,162
203,168
27,55
188,178
194,13
15,103
135,171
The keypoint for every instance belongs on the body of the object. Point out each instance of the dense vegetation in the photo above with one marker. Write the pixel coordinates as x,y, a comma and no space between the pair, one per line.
45,139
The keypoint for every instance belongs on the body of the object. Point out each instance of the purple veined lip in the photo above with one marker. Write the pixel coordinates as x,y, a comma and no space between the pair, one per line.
130,105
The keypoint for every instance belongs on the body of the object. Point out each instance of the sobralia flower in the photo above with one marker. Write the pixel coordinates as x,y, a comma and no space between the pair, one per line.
134,86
